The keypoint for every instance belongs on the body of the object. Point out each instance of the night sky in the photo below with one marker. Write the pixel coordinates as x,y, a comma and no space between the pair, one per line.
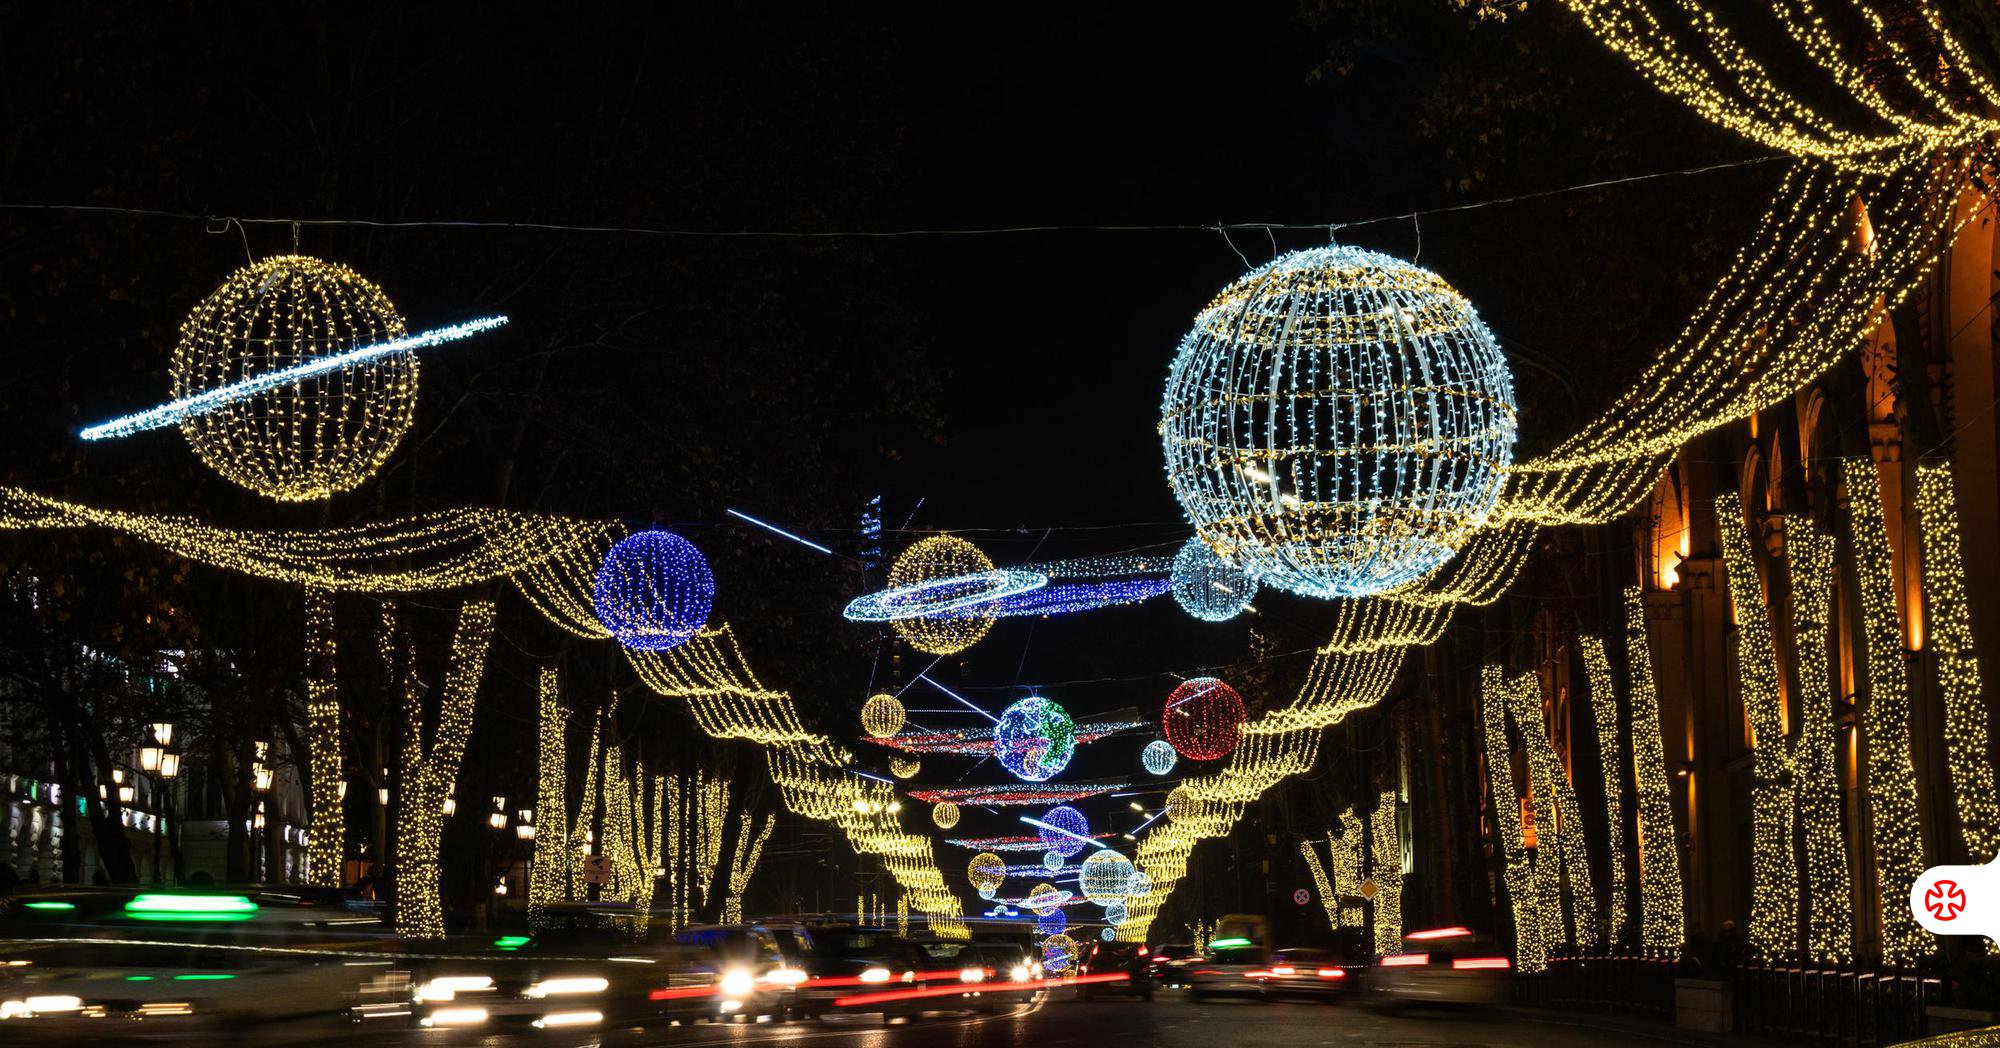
1009,382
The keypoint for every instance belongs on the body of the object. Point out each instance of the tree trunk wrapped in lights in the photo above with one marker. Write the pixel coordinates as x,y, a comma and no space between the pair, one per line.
1611,747
325,846
430,771
1822,809
745,864
554,854
1559,827
1662,912
1530,947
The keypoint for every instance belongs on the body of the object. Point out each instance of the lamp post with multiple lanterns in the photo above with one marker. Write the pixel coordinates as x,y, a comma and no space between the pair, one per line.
161,761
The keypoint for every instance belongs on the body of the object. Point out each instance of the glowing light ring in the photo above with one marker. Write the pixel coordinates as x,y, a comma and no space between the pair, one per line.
986,871
1040,869
1017,794
1035,739
979,741
936,598
1159,757
1022,843
1064,598
1065,831
1209,588
1047,897
1338,423
1203,719
174,412
653,591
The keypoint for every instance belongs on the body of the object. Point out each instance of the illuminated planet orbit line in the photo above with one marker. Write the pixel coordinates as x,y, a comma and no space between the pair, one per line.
175,411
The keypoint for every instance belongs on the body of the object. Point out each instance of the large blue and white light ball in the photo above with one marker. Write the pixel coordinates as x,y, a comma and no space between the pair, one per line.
1051,922
1106,877
1159,757
654,591
1068,833
1034,740
1338,423
1208,587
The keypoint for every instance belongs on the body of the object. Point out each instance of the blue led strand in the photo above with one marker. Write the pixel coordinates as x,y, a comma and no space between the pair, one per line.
934,598
1063,598
175,411
777,530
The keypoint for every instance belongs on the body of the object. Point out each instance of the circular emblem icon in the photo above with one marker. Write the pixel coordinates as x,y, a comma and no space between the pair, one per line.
1302,896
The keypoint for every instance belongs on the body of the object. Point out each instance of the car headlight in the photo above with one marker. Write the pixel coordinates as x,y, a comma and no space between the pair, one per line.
738,983
455,1017
1020,973
446,987
786,977
569,985
971,975
875,975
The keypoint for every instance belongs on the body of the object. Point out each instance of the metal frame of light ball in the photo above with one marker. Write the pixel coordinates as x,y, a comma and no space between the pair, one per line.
1419,426
690,582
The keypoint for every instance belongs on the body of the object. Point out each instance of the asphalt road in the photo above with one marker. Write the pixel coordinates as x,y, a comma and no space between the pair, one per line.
1057,1020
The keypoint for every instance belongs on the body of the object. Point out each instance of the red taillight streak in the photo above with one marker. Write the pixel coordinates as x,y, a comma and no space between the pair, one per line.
1254,975
1333,973
677,993
1205,971
1143,951
1401,960
955,991
1482,962
1438,933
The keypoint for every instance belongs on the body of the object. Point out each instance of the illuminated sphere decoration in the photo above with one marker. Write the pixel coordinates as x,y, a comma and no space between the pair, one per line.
1064,817
1034,739
1159,757
1045,898
653,591
1203,719
904,769
1182,803
1338,423
882,716
945,814
1115,913
1106,877
986,871
1208,587
1058,953
940,557
308,440
1052,922
1052,861
1107,934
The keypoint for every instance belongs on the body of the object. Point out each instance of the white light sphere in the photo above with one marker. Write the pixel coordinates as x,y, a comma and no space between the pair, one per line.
1159,757
1105,877
1338,423
1208,587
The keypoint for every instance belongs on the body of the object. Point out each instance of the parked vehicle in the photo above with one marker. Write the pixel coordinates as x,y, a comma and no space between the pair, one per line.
1441,966
1132,960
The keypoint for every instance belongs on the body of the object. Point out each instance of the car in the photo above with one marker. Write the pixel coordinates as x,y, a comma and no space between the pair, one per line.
1234,966
1170,962
856,968
1450,966
1302,972
771,956
1102,962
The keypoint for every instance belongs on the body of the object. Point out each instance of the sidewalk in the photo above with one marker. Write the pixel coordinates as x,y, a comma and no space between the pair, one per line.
1629,1027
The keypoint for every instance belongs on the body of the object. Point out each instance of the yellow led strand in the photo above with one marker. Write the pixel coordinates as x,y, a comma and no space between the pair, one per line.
581,836
1885,720
1829,900
327,844
1948,624
1530,948
1344,851
1662,907
1774,905
430,771
1611,749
